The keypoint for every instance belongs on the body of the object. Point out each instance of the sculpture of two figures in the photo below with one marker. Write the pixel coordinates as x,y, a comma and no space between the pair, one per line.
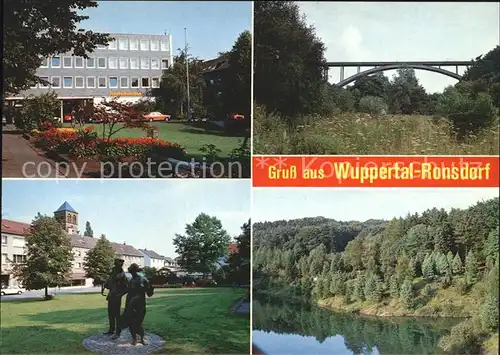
135,304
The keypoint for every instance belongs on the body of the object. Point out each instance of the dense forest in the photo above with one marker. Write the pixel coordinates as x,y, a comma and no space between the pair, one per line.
437,263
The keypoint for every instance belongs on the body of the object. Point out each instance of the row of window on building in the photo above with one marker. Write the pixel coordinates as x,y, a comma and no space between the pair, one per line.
16,241
105,63
16,258
135,44
101,82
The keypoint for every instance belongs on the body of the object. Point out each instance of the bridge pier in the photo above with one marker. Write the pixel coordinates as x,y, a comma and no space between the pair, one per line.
341,73
456,69
359,69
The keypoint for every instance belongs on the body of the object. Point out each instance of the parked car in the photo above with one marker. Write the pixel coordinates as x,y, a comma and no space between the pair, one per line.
11,291
156,116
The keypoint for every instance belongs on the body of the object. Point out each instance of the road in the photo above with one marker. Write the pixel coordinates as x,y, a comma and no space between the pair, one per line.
52,291
16,152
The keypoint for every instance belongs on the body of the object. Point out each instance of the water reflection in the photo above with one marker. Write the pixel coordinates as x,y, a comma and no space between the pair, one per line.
287,329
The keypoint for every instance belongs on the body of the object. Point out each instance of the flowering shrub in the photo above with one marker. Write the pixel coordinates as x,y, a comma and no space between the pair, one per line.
65,130
85,143
34,132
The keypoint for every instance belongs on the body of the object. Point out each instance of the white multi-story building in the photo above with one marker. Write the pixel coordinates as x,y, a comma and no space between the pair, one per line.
152,258
13,247
128,67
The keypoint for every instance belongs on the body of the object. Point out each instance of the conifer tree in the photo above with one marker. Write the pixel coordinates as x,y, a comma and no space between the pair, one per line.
428,267
457,265
394,286
407,294
372,290
471,271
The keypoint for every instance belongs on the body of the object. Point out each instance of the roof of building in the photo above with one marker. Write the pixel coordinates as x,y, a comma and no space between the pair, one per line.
14,227
219,63
152,254
80,241
65,207
170,260
126,249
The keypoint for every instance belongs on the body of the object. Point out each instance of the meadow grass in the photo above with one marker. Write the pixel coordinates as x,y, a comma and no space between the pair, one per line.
190,137
361,134
189,320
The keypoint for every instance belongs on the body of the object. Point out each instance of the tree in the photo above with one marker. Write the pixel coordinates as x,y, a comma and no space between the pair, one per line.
48,255
406,96
394,286
38,110
204,242
471,271
359,292
88,230
239,262
429,267
236,95
372,289
99,261
34,30
116,116
457,265
468,112
289,75
491,245
150,272
407,294
171,96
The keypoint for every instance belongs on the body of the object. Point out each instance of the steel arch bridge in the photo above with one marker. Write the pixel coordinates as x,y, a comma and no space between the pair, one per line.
432,66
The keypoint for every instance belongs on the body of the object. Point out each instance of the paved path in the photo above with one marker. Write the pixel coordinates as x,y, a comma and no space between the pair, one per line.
16,153
241,307
52,291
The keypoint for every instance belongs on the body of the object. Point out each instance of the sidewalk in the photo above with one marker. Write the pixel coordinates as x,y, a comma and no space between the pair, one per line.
16,152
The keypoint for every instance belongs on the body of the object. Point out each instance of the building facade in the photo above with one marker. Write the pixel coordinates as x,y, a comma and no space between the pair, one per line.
152,258
13,243
13,247
128,67
171,264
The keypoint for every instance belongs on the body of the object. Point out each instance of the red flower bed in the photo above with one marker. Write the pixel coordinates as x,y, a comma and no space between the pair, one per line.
85,143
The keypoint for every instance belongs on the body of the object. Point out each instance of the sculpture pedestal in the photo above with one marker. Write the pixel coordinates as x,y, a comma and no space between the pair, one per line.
103,344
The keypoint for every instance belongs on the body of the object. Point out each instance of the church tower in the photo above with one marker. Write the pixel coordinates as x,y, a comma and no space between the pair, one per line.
68,218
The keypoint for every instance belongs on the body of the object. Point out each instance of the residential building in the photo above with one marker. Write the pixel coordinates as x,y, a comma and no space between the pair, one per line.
215,77
13,251
172,264
128,67
152,258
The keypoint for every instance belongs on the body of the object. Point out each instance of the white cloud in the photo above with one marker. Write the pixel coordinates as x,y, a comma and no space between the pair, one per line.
351,40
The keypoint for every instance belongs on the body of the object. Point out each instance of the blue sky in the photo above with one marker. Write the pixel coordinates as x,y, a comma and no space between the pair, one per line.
410,31
212,26
346,204
142,213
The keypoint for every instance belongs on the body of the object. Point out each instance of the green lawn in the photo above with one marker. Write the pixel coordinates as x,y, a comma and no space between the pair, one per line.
191,137
189,320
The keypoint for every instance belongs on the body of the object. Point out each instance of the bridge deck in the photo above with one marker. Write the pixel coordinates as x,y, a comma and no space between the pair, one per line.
379,64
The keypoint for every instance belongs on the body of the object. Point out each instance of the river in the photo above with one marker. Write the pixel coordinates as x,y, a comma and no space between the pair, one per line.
291,329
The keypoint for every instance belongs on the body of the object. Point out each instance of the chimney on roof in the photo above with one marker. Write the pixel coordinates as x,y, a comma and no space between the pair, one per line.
124,243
